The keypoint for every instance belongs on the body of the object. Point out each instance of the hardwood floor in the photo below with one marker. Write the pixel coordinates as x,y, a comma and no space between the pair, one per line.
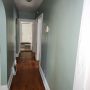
28,76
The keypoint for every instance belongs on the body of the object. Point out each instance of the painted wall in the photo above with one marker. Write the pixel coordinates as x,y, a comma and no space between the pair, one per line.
26,15
15,17
10,25
59,45
3,48
34,41
17,37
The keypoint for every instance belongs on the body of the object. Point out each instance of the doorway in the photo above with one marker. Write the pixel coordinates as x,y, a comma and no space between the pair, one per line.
31,35
26,28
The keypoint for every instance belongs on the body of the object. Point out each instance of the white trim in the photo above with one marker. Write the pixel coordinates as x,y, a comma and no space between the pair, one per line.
81,78
7,87
46,85
10,79
21,21
13,72
17,54
19,37
3,87
0,67
39,37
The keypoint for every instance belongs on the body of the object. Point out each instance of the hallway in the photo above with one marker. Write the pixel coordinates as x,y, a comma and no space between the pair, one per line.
49,40
28,76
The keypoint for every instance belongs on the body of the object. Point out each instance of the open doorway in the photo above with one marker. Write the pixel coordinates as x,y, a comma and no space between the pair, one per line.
26,28
31,35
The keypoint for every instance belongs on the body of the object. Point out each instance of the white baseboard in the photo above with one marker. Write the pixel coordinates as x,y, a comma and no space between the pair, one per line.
10,79
7,87
44,79
4,87
13,70
17,54
11,75
15,62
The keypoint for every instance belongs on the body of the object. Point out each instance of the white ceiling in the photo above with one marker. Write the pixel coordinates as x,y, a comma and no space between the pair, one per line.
23,5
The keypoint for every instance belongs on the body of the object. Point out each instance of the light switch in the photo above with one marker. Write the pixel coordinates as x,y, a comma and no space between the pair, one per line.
47,29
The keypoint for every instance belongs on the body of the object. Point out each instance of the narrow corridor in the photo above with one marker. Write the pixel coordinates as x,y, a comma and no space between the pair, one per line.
28,76
44,44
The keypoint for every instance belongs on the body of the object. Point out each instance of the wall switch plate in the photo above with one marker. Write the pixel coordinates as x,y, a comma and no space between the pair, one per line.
47,29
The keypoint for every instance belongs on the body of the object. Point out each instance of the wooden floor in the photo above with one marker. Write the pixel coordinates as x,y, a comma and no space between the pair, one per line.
28,76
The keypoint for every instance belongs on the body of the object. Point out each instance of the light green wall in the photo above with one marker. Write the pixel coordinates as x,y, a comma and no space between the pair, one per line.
68,42
15,16
17,38
59,45
10,31
3,48
26,15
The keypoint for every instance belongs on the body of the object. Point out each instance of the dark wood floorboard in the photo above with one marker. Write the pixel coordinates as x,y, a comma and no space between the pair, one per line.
28,75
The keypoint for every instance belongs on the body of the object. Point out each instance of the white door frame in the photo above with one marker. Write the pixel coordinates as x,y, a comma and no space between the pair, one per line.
39,37
20,28
82,70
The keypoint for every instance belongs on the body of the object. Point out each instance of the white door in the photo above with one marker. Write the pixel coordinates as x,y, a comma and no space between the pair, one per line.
39,36
26,31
